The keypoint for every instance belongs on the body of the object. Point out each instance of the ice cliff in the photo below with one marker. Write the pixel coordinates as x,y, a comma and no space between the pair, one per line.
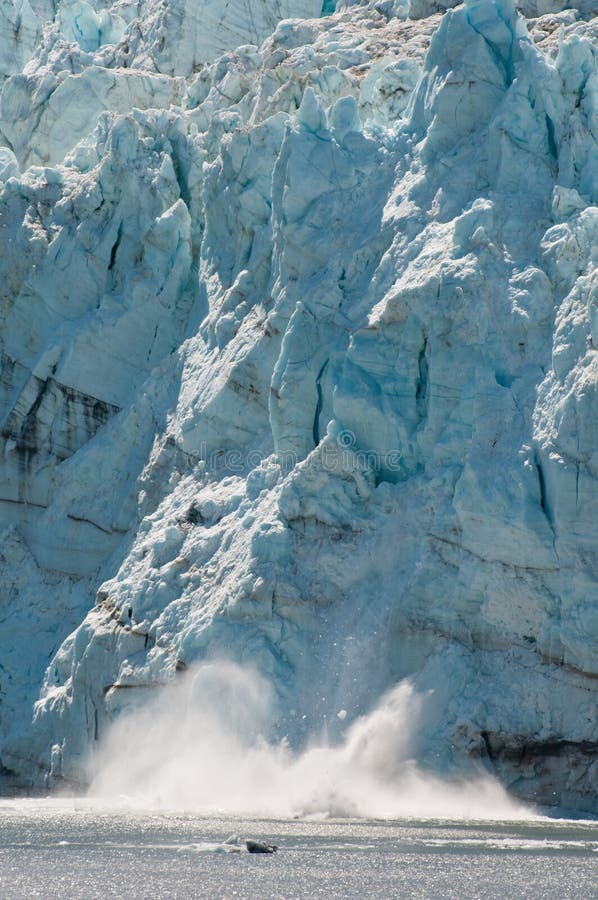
299,367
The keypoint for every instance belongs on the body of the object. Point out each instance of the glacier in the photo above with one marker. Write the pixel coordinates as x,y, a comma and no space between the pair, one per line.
298,347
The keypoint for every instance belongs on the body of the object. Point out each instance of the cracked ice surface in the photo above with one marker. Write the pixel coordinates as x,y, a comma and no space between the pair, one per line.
298,367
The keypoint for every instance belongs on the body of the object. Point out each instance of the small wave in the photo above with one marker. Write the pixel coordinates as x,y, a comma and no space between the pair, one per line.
514,844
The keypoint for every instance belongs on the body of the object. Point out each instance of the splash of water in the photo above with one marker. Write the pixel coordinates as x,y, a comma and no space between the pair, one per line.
199,747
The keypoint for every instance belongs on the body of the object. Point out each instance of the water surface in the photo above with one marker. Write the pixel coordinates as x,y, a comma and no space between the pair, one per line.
73,849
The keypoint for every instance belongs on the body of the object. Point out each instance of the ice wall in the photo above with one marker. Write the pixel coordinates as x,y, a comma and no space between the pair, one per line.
298,369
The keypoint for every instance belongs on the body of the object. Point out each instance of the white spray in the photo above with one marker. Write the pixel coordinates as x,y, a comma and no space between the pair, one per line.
199,747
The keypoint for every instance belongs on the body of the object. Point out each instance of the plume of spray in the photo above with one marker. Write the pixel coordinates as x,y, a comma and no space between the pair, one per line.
199,746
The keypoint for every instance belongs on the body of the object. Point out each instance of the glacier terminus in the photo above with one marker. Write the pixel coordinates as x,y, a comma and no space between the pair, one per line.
299,371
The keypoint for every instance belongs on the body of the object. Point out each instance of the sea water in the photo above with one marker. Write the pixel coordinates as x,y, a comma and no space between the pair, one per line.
78,849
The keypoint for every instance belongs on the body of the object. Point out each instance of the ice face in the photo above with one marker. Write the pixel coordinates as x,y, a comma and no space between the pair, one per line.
298,370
